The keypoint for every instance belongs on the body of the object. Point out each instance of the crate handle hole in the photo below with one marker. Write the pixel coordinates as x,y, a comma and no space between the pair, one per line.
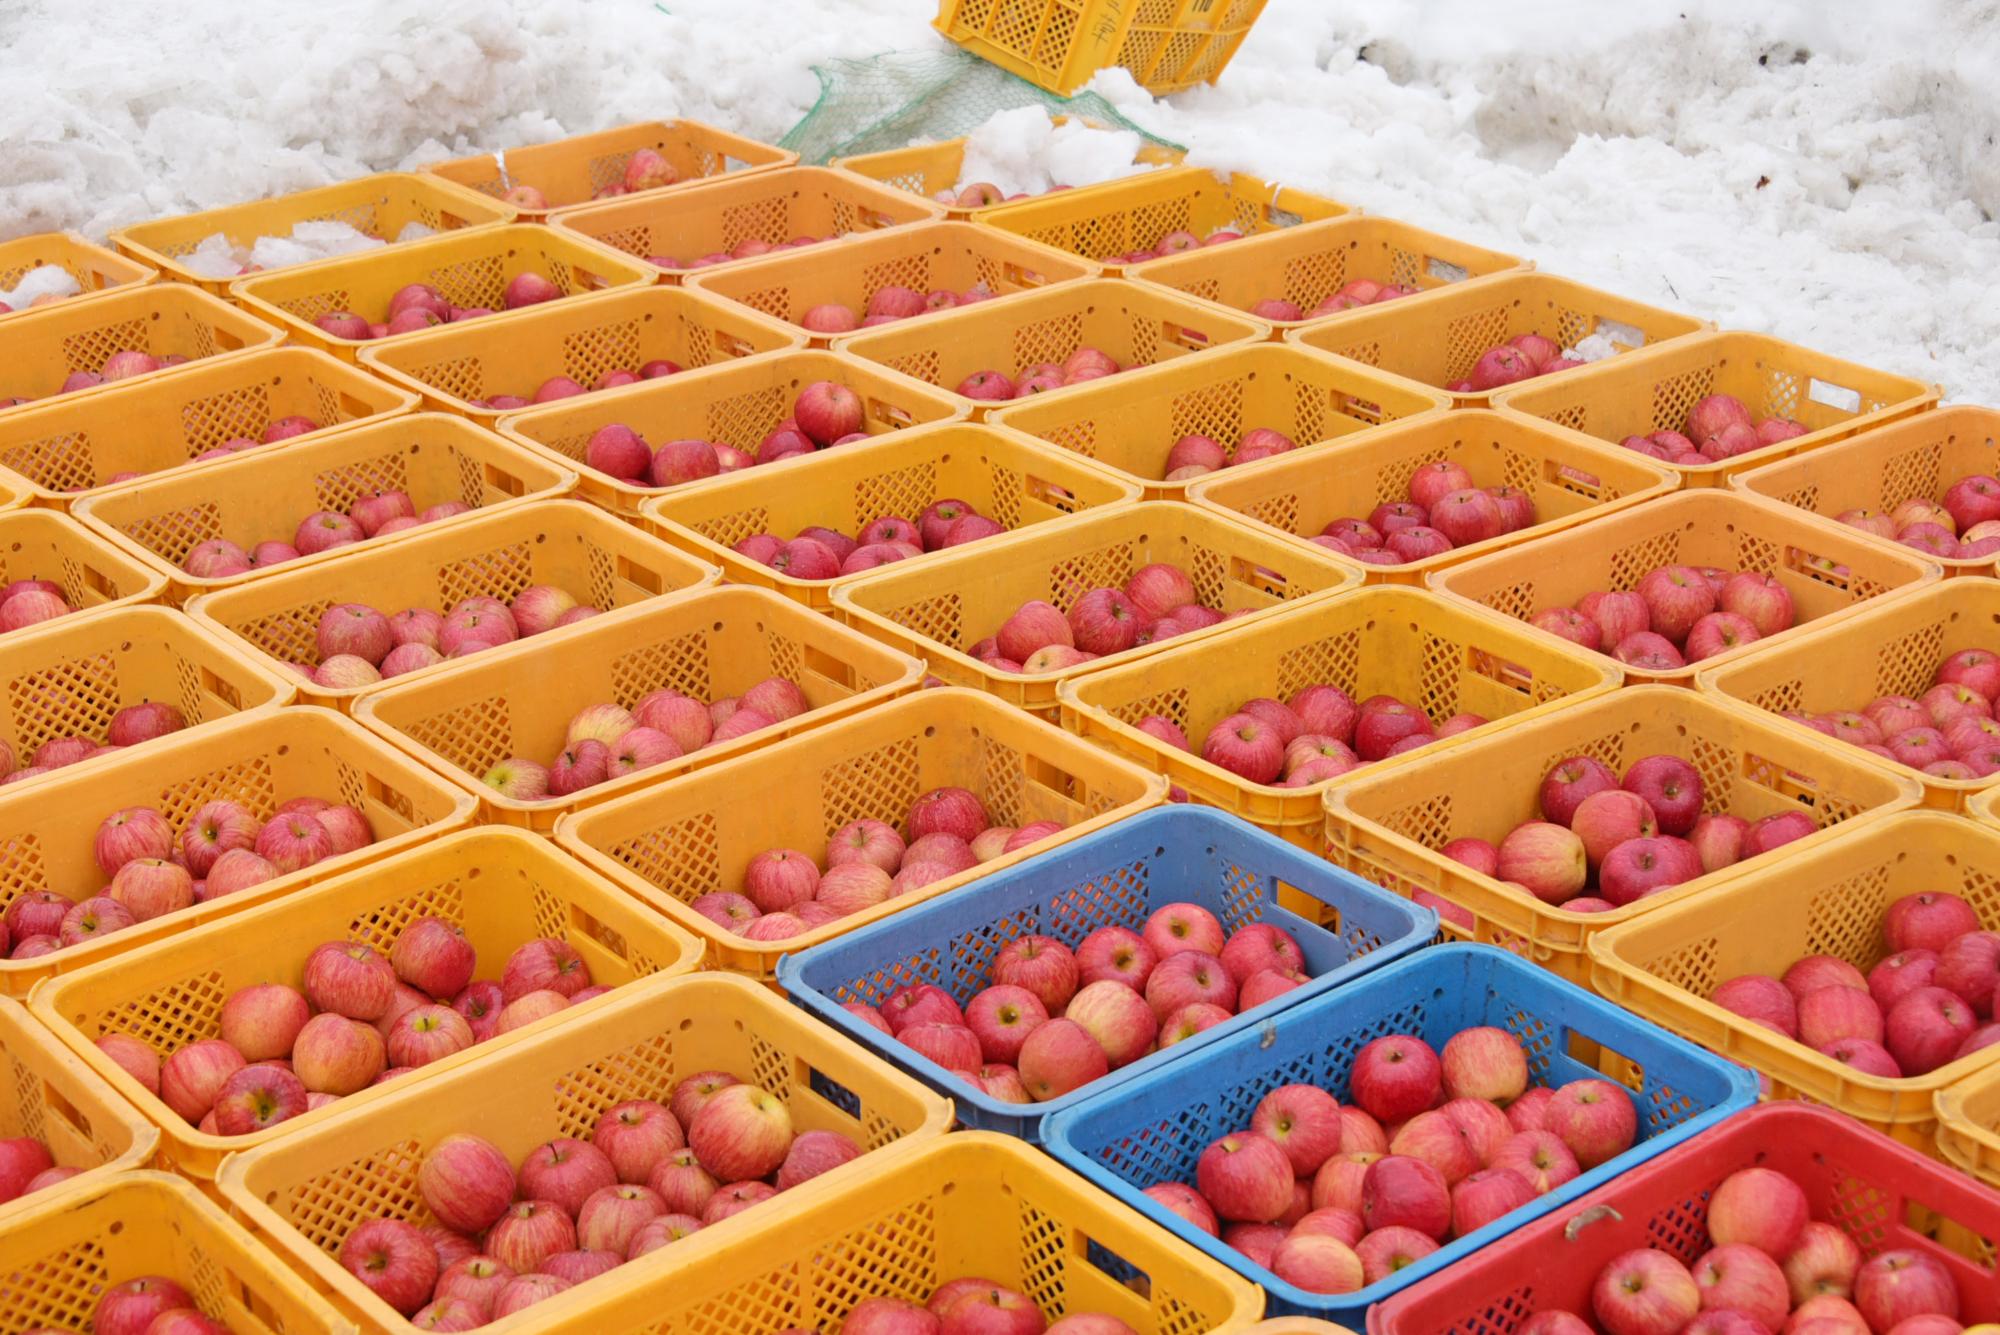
1583,1219
504,483
1051,495
1261,578
641,577
1513,676
896,416
1830,395
99,582
388,795
831,1090
1445,270
1126,1274
1574,479
1820,569
609,938
1362,410
1181,336
1045,774
730,346
54,1102
221,689
1016,274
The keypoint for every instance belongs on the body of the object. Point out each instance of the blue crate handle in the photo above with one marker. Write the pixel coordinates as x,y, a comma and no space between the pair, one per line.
1152,1128
1118,875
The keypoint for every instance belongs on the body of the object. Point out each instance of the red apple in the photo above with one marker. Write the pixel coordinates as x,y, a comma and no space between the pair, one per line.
467,1182
1040,964
1115,954
741,1132
1969,965
1671,787
1059,1057
262,1021
1540,1158
1594,1118
1925,1029
350,979
1545,859
1260,947
1387,1250
1303,1121
1245,1177
1397,1191
256,1098
1761,998
1760,1208
814,1153
1605,820
394,1260
1395,1077
635,1136
1645,1292
1743,1279
1823,1261
1833,1014
128,1308
1120,1019
1894,1286
1486,1195
1317,1264
1182,926
1676,597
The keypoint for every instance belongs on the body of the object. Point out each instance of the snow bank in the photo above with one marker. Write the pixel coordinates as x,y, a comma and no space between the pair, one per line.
1823,171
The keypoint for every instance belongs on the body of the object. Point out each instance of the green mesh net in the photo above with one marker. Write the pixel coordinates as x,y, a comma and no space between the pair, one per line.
906,97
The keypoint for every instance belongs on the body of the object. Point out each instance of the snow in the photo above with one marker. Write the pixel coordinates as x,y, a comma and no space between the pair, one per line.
216,256
1822,171
44,280
1023,150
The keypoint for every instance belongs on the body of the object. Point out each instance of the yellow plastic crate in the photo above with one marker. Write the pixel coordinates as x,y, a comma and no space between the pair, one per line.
470,268
1437,342
927,169
62,451
770,206
260,760
68,1250
381,205
1309,263
1387,827
50,1095
922,257
1136,326
1893,647
1011,480
303,1194
68,679
96,574
576,547
673,843
1884,466
1125,424
973,1203
163,319
95,269
518,699
571,171
454,364
1652,390
738,404
1824,900
1569,480
1828,573
1402,642
941,609
1166,45
1119,217
264,496
504,888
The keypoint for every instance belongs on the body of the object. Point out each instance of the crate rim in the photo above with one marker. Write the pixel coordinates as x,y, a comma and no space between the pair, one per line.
806,996
1740,1082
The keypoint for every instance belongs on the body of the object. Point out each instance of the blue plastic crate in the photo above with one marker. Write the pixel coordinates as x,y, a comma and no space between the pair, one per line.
1116,877
1153,1128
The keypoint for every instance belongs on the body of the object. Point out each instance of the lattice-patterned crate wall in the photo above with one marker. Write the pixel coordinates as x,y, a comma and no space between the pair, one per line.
926,258
262,496
304,1194
458,367
1003,476
1389,827
48,831
1444,659
1883,1197
471,270
1828,901
1134,326
58,1259
594,558
1564,479
1653,390
1828,572
46,1094
1153,1129
160,319
573,171
1438,341
671,845
1129,423
95,573
518,700
1116,877
502,888
675,230
941,610
65,450
1307,264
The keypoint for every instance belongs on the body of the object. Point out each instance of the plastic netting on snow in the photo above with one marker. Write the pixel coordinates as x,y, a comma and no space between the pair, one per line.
903,97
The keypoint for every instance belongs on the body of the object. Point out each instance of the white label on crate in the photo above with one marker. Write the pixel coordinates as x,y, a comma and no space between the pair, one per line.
1835,396
1445,269
1620,333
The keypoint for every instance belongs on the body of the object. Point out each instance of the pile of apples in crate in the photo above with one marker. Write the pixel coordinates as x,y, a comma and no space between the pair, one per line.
1522,357
1196,455
1444,510
130,726
221,850
1964,526
1675,615
1434,1146
118,366
1084,364
1157,603
1320,734
1053,1019
509,1235
818,552
146,1305
26,1166
1949,731
1347,297
607,741
1623,838
645,169
360,1018
562,387
824,415
359,645
1771,1267
1928,1002
416,306
376,514
786,893
29,602
1718,427
889,304
968,1306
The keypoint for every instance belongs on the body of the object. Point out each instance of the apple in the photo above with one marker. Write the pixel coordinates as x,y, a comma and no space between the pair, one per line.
1245,1177
1893,1286
1387,1250
1540,1158
1761,998
889,1316
1317,1264
192,1077
1671,787
1594,1118
1743,1279
1760,599
1969,965
545,964
1059,1057
1676,597
1115,954
1817,971
1760,1208
351,979
262,1021
258,1097
1121,1020
925,1003
1303,1121
1925,1029
1605,820
1545,859
1823,1261
1485,1195
1645,1292
393,1260
741,1132
1001,1018
1041,965
1398,1191
128,1308
336,1055
467,1181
